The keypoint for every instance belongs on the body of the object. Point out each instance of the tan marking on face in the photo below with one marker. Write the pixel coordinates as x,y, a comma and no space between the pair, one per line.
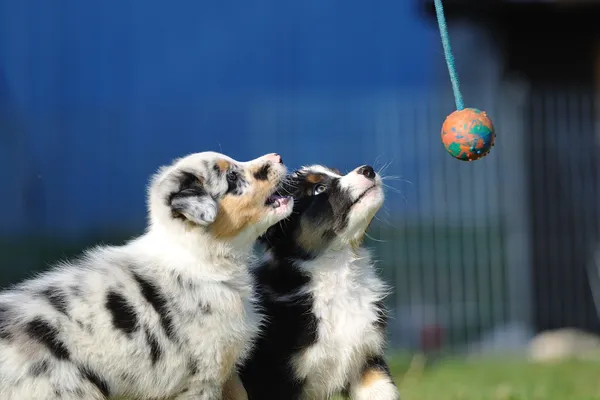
238,212
314,178
223,165
234,389
372,376
310,236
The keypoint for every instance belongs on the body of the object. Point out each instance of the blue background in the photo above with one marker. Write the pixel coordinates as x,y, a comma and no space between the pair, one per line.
94,96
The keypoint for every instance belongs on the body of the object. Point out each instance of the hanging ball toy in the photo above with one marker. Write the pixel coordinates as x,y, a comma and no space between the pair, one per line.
468,133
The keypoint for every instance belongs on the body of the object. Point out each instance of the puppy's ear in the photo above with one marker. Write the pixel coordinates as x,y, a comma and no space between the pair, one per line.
192,202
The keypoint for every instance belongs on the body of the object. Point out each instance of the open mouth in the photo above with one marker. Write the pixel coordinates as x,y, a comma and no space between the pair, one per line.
276,201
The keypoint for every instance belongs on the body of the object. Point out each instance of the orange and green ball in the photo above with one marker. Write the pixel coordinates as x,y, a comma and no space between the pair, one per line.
468,134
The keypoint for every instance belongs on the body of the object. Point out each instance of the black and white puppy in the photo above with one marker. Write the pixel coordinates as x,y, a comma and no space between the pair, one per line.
167,315
325,330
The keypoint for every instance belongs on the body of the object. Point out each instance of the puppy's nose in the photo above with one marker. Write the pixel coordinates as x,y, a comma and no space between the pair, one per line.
367,171
275,158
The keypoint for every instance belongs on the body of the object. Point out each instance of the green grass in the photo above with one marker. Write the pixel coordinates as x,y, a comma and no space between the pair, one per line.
498,380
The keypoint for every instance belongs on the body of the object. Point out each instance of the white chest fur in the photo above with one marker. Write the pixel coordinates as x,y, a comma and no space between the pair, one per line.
344,290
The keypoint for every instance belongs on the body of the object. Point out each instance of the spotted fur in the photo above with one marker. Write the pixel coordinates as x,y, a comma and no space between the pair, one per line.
167,315
323,300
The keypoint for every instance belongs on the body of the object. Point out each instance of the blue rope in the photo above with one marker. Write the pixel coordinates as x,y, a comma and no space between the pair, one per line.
439,10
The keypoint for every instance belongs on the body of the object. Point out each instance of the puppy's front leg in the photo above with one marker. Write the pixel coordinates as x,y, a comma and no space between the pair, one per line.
234,389
375,382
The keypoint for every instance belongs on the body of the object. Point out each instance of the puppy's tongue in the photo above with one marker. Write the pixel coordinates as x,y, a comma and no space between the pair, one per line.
276,201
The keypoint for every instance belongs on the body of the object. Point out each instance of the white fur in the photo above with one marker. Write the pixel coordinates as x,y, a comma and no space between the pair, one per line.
382,389
344,285
195,273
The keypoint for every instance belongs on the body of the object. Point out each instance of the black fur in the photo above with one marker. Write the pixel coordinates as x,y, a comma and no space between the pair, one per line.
235,183
263,173
292,327
4,333
158,303
92,377
123,314
377,363
39,368
57,298
155,349
41,331
189,186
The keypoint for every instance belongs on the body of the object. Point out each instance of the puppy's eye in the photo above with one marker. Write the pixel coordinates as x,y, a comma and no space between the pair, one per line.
320,188
232,176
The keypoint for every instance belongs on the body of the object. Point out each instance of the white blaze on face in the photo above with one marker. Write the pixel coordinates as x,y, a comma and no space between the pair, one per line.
367,196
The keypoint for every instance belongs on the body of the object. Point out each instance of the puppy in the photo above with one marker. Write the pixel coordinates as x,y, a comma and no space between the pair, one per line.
167,315
325,329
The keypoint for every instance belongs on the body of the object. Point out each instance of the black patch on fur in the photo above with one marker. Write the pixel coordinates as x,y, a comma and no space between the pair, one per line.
40,330
184,284
77,292
127,377
4,333
155,349
236,187
189,186
377,363
97,381
57,298
123,314
205,308
263,173
292,328
346,392
39,368
193,367
159,303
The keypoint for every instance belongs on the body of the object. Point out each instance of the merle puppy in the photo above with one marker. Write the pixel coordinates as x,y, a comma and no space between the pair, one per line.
168,314
322,297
